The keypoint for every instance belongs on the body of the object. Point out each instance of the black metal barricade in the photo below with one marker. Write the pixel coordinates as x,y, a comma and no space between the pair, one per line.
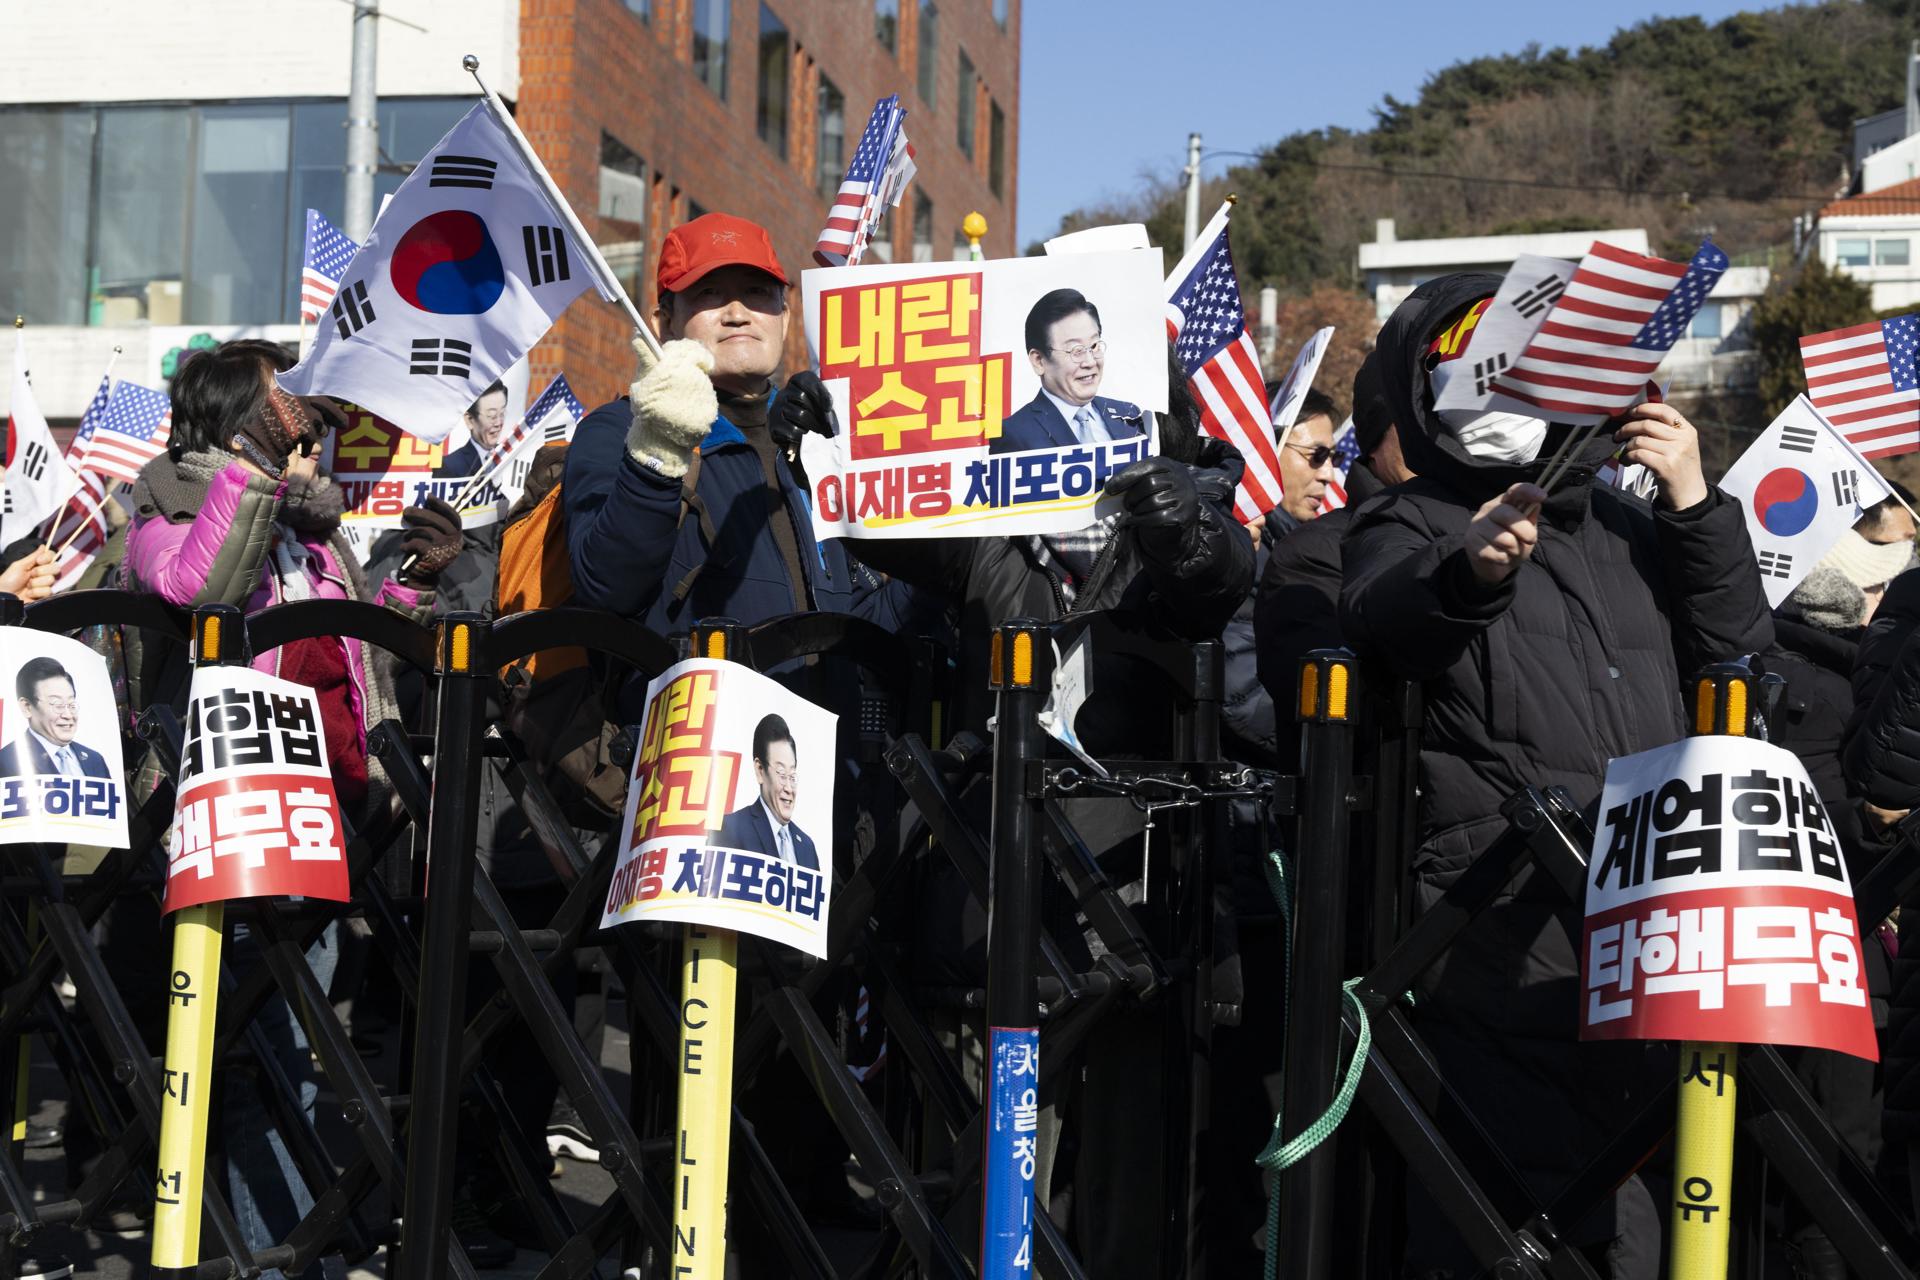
1332,1201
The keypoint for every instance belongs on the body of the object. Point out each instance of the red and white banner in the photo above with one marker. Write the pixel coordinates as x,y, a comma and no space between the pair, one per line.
1718,905
255,815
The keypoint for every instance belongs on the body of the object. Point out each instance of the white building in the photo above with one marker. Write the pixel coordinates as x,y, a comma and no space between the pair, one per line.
157,161
1873,236
1716,354
1393,268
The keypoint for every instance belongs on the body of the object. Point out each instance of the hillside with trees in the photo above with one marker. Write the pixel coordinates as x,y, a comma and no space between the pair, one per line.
1681,126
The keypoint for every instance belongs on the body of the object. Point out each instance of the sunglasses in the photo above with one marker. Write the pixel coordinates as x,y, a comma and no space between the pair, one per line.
1317,455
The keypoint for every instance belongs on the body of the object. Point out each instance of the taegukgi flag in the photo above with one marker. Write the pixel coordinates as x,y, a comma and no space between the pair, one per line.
466,268
1802,486
37,479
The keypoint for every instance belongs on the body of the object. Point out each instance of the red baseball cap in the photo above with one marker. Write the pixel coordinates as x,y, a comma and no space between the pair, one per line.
714,240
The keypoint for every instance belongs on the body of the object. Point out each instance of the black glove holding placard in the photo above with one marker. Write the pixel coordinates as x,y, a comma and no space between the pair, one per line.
1162,507
803,405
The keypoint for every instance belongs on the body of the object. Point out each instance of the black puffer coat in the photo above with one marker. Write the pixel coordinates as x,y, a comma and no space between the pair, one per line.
994,580
1882,761
1575,658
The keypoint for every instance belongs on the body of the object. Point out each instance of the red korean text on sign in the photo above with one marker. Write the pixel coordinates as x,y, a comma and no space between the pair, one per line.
685,785
257,836
917,379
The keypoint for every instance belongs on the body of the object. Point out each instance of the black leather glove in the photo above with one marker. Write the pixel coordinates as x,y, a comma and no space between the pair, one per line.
803,405
1162,506
430,543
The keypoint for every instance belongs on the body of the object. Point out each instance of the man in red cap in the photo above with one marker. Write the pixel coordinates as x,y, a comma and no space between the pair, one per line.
679,504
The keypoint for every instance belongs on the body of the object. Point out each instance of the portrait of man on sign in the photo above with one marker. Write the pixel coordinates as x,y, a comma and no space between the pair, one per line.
46,694
765,824
1069,355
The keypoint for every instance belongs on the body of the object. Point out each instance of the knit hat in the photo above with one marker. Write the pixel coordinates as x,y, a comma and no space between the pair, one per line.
1868,564
1826,599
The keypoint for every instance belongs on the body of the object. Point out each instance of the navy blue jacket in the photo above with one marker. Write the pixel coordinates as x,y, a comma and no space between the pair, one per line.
15,764
1038,424
750,829
630,549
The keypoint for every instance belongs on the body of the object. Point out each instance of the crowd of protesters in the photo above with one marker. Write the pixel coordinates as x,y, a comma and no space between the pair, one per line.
1550,630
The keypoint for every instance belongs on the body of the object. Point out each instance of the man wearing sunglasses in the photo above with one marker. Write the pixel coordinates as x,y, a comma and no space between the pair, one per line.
1069,356
1306,458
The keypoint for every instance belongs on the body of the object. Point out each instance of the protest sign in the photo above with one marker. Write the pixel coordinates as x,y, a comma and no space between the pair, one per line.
1284,409
61,775
950,425
1718,905
255,815
382,470
729,814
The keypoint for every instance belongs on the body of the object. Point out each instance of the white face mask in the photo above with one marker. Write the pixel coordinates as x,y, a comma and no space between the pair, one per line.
1497,437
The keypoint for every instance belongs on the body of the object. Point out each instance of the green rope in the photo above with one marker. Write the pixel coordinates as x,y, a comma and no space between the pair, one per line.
1279,1155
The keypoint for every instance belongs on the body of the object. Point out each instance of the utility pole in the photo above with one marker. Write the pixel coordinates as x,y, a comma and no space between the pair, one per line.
1193,191
1913,89
363,121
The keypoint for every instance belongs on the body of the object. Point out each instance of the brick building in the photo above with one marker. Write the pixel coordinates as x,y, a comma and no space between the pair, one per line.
651,113
154,182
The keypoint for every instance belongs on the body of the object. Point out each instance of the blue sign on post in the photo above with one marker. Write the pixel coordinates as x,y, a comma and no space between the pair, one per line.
1013,1131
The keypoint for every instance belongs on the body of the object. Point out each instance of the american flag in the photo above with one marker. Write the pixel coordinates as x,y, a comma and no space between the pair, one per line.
1620,315
328,253
1208,328
1863,379
81,532
882,166
131,432
89,421
541,416
1346,450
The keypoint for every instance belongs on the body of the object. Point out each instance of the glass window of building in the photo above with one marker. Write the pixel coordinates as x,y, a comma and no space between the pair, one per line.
623,182
1853,253
770,117
1890,253
238,248
963,106
922,227
140,228
962,247
880,248
1706,321
712,24
831,143
886,23
929,44
643,9
46,158
997,149
1000,14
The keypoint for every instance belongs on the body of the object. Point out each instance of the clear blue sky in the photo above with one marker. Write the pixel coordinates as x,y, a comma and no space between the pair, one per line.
1111,88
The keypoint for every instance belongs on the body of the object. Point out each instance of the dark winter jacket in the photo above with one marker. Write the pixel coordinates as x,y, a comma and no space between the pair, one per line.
1812,717
1575,658
1881,757
993,580
631,551
1296,606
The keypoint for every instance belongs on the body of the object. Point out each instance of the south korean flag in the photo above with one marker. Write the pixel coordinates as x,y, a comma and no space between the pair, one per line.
1802,486
37,479
467,267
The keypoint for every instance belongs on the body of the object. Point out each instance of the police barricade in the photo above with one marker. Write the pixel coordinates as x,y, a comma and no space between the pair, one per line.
1337,1191
167,1099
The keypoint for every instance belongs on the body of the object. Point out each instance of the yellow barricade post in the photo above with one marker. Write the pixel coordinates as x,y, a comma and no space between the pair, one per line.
703,1135
1704,1123
193,993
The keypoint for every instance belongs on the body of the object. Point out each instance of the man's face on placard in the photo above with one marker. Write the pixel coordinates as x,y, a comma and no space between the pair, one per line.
488,416
1075,358
53,712
778,776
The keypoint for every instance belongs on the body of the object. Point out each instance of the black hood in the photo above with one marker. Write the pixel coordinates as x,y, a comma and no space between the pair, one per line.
1430,448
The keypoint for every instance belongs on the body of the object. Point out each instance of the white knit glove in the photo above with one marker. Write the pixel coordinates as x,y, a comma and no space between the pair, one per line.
674,406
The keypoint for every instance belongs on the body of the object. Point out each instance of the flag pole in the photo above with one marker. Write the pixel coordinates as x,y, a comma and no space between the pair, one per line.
59,513
603,274
87,517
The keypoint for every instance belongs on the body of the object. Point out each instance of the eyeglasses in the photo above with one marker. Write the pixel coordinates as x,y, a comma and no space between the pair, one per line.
1077,354
783,774
1317,455
59,706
